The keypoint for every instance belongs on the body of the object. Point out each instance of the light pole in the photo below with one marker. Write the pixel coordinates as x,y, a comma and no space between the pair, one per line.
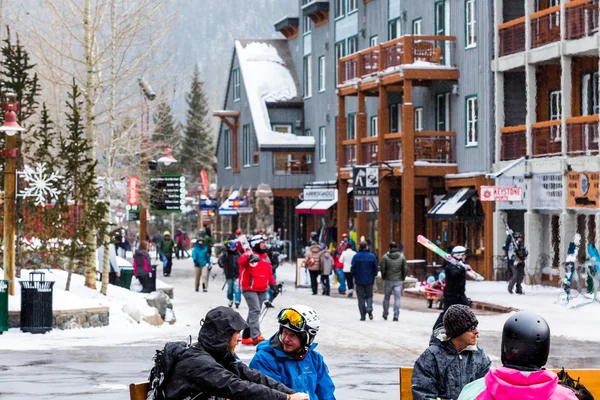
10,154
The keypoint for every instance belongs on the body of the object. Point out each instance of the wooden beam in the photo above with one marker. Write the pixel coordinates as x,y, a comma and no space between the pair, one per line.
435,170
432,74
286,192
226,113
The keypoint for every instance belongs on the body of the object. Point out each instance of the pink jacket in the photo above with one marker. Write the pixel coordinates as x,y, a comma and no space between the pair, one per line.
507,383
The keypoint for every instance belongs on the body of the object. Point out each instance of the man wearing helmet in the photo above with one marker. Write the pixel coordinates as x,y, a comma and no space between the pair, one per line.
256,275
516,254
292,349
456,282
525,348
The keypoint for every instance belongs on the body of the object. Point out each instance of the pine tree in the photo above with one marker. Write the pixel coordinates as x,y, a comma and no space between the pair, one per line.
197,151
165,128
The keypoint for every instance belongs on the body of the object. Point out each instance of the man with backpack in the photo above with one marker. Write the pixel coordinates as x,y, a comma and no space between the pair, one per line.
210,369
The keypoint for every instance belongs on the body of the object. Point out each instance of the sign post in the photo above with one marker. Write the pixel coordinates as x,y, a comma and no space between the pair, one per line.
366,189
167,193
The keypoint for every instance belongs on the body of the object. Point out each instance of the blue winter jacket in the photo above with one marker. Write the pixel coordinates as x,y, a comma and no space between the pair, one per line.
364,268
200,255
309,375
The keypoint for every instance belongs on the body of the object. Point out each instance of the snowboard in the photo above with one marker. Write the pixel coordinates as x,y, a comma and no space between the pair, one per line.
448,257
570,264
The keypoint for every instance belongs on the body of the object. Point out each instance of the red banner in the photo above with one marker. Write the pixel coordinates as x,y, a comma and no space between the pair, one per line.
204,177
132,191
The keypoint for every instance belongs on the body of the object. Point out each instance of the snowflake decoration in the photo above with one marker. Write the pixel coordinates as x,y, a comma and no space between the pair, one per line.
42,185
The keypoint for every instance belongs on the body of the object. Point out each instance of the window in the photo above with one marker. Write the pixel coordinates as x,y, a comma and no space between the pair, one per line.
417,26
236,84
395,110
418,119
308,132
351,134
339,8
292,163
246,146
352,45
322,73
589,94
282,128
442,110
472,116
373,41
555,113
322,144
373,126
352,6
440,19
340,51
394,31
306,22
470,24
255,151
308,76
227,148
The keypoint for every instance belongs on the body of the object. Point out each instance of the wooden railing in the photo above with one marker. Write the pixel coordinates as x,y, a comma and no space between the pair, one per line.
581,17
392,151
547,138
582,136
512,36
368,153
513,142
545,26
404,50
435,147
348,153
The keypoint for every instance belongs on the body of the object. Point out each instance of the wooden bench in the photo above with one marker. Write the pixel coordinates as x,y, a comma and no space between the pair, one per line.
589,377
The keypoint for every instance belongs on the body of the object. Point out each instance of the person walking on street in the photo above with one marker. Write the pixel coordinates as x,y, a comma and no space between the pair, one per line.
456,283
229,262
115,270
166,248
208,241
179,241
314,269
516,262
393,272
364,268
142,267
256,275
327,266
201,262
339,269
292,349
346,259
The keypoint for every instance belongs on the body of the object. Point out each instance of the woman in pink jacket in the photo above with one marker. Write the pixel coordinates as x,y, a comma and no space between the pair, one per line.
525,349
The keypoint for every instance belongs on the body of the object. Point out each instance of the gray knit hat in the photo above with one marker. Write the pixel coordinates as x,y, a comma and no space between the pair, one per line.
458,319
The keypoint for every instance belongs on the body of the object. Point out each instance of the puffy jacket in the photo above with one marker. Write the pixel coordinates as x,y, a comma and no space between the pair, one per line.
393,266
207,368
200,255
508,383
364,268
166,247
443,372
314,379
229,261
141,263
346,259
258,278
336,258
315,253
327,263
456,281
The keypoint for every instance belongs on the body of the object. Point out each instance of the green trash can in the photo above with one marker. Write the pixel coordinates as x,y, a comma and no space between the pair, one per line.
125,278
3,306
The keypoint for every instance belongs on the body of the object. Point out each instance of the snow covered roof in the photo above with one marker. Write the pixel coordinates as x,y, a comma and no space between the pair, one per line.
269,78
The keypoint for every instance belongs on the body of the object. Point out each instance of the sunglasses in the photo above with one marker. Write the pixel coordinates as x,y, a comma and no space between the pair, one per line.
293,317
472,329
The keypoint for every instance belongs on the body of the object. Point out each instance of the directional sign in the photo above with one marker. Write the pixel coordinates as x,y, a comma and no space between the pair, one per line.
167,193
365,181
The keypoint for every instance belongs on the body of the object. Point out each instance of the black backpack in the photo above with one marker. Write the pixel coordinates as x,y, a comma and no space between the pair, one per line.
575,386
164,365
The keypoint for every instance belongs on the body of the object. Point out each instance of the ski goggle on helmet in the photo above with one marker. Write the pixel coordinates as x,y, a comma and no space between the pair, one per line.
302,320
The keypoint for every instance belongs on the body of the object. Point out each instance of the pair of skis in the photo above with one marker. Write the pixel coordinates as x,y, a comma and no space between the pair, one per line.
431,246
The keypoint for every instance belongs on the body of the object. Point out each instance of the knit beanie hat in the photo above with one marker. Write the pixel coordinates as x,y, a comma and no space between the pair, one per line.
458,319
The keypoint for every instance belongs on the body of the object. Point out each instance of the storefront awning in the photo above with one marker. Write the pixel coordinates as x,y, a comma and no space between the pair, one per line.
305,206
226,210
317,207
449,206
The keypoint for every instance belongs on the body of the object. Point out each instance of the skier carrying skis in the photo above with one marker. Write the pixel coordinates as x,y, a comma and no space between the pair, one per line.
456,281
516,262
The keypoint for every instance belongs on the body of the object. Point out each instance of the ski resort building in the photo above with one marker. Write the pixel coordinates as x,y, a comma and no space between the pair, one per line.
546,97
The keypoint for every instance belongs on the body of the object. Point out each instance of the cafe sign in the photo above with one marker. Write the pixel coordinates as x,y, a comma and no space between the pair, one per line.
318,194
583,189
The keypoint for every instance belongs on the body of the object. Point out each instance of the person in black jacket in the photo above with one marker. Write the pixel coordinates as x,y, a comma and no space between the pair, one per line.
210,368
229,262
456,282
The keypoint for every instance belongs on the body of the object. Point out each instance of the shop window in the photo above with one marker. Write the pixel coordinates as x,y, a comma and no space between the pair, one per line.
292,163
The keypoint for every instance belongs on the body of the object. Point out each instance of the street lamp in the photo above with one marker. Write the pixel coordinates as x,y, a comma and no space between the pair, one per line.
168,158
10,154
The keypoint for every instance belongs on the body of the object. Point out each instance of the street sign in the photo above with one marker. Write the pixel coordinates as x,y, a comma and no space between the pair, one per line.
318,194
208,204
132,191
167,193
500,193
365,181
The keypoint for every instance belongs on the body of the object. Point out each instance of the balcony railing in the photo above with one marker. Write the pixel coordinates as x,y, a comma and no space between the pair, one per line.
392,151
513,141
582,136
547,140
368,152
435,147
349,153
545,26
402,51
581,18
512,36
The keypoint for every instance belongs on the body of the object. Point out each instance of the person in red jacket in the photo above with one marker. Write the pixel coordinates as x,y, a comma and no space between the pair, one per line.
256,275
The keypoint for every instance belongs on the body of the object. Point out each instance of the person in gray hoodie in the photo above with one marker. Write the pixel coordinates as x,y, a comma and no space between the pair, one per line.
327,265
393,272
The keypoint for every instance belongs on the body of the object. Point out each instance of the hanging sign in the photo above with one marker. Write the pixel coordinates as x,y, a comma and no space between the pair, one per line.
132,191
548,189
583,189
500,193
167,193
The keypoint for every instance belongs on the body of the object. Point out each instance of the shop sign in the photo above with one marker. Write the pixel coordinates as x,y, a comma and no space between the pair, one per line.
366,204
583,189
500,193
318,194
547,191
512,181
365,181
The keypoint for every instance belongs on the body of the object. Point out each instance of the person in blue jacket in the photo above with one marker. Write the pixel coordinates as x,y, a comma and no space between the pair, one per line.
290,357
364,269
201,264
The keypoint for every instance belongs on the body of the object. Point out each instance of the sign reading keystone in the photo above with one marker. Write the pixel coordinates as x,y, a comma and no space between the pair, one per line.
319,194
365,181
167,193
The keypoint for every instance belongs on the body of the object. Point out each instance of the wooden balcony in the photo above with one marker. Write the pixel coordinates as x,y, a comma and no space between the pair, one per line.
547,139
369,150
581,17
348,153
512,36
513,142
392,151
545,27
582,136
435,147
421,57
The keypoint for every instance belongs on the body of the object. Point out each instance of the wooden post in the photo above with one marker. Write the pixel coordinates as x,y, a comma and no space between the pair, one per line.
408,172
362,220
10,167
383,128
342,206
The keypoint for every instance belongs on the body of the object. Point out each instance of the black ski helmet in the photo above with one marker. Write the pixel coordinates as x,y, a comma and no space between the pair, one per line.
525,341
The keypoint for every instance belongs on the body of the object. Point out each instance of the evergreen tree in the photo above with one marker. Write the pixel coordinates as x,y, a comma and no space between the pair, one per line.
197,151
165,129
